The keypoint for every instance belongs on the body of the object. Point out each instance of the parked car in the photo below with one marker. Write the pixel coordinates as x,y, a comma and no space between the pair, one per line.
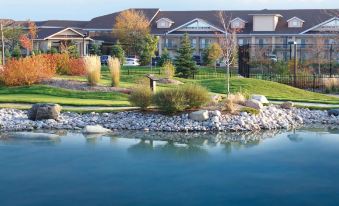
197,59
131,62
104,59
273,58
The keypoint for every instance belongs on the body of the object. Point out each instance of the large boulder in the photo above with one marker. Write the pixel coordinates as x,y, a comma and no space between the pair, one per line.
255,104
261,98
333,112
44,111
201,115
287,105
96,129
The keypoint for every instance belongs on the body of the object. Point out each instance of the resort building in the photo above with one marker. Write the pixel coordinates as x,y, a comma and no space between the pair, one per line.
272,30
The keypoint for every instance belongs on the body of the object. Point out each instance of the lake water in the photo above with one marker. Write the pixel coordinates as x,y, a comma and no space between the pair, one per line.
134,168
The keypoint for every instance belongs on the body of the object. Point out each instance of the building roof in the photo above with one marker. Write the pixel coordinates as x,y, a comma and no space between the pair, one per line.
61,24
107,21
312,17
44,33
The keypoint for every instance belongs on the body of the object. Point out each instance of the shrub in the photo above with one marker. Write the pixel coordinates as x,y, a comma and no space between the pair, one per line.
171,101
229,106
141,96
169,69
27,71
66,65
237,98
196,95
93,69
118,52
16,53
165,57
114,68
250,110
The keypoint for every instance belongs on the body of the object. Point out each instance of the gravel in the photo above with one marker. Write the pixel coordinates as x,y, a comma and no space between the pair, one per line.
270,118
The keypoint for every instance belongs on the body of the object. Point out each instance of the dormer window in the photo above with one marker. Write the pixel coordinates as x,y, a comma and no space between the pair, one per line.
238,23
164,23
295,22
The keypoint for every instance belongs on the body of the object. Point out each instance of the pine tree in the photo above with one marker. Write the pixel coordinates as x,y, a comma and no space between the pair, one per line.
165,57
185,65
16,52
118,52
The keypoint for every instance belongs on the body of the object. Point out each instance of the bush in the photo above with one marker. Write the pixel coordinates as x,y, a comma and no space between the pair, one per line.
196,95
66,65
141,96
237,98
229,106
93,69
114,68
250,110
171,101
27,71
165,57
169,70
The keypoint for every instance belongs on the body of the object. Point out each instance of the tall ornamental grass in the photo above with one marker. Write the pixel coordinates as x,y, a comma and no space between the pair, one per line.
93,69
114,68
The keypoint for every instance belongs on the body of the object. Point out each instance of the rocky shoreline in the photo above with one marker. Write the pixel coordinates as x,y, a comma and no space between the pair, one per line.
270,118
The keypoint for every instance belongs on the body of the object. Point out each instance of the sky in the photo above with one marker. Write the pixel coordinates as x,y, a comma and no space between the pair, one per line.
88,9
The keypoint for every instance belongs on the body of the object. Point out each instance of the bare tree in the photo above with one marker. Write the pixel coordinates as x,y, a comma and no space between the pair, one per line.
228,44
3,23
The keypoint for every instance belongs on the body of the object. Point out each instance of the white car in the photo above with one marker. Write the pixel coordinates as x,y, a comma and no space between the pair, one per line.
131,62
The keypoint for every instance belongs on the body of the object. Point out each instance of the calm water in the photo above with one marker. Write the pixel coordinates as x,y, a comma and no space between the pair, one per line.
286,168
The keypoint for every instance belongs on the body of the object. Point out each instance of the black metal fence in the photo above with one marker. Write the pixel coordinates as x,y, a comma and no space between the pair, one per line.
318,83
288,59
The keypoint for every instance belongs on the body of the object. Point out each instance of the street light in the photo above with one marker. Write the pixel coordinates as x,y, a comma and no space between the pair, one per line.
295,60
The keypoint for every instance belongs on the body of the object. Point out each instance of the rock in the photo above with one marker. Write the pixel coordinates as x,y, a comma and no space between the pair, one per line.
97,129
255,104
260,98
215,113
333,112
201,115
287,105
44,111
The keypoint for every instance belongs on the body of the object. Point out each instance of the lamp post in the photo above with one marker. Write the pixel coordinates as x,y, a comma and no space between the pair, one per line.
331,50
2,44
295,61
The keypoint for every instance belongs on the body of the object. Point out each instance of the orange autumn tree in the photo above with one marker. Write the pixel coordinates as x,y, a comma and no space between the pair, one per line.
131,28
27,39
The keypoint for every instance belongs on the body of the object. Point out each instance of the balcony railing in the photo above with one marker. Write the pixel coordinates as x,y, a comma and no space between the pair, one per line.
170,46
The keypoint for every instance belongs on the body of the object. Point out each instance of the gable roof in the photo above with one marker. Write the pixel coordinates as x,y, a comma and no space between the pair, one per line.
295,18
165,19
45,33
107,22
192,21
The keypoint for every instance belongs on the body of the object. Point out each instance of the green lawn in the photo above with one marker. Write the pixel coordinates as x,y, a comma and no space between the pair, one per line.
272,90
41,93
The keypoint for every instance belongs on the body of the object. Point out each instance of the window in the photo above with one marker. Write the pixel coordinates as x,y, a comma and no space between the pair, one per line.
162,24
303,43
261,43
193,43
295,23
241,42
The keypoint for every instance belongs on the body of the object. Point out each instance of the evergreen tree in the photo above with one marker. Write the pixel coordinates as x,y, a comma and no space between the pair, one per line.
7,54
118,52
165,57
16,52
185,65
95,49
149,46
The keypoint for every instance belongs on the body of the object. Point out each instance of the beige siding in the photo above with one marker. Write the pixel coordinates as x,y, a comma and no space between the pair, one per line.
264,23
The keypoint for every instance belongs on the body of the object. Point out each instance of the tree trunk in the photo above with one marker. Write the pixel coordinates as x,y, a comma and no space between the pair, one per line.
228,79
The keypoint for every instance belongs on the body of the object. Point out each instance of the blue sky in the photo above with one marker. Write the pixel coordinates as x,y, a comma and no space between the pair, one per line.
87,9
